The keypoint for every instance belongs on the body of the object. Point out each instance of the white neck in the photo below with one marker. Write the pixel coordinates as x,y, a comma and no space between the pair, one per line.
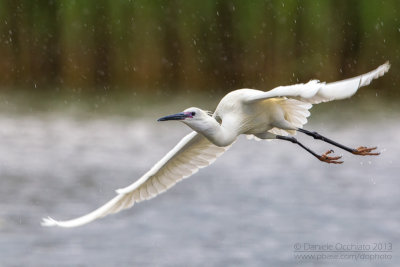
214,132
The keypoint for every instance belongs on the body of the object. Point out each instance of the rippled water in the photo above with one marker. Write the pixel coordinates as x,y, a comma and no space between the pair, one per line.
249,208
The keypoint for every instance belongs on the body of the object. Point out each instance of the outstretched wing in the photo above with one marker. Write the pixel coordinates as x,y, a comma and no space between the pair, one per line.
315,92
193,152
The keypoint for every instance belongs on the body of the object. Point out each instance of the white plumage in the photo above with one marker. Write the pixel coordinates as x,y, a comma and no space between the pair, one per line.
193,152
280,111
315,92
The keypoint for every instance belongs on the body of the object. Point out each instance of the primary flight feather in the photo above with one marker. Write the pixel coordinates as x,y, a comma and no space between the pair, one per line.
265,115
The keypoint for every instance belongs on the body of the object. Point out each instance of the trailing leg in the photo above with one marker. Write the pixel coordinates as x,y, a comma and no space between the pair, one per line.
362,151
324,157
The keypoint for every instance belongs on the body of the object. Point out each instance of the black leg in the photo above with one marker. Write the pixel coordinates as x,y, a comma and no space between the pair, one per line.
324,157
363,151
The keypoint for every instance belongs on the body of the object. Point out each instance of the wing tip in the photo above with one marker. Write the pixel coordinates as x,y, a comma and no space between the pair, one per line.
367,78
385,67
48,222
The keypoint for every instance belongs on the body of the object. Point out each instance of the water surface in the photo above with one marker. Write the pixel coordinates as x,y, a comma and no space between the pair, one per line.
249,208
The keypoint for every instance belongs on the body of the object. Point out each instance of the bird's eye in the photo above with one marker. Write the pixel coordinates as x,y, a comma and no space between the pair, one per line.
193,113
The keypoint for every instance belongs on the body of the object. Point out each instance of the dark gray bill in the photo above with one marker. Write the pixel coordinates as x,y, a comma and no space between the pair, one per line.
174,117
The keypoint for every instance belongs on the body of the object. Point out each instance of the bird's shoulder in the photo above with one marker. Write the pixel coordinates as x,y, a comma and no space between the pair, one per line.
233,102
237,96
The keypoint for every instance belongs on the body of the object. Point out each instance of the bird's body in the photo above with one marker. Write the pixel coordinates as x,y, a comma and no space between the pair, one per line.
266,115
234,116
254,118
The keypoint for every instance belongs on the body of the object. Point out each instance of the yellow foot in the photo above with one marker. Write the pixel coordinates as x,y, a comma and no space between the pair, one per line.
327,159
364,151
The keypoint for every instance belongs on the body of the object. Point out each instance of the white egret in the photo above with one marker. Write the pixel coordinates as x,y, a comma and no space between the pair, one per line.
265,115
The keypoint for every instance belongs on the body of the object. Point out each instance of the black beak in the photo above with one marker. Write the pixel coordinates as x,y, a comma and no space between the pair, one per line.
174,117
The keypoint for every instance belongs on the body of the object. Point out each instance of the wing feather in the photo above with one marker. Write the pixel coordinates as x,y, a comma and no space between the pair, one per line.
315,92
193,152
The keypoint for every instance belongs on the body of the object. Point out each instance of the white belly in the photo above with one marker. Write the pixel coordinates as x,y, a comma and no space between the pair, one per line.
252,118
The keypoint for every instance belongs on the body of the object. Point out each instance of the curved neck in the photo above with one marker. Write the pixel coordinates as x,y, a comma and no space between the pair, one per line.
216,133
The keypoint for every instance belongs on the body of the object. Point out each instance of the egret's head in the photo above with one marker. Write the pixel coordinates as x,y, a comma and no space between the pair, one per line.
199,120
190,116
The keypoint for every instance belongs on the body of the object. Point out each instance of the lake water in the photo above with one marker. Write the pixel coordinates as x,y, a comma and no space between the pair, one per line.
260,204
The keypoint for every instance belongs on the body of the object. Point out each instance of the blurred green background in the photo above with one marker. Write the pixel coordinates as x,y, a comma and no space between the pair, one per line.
101,51
82,84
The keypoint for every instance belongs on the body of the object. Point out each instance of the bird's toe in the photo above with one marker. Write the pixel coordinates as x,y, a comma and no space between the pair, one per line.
365,151
334,160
